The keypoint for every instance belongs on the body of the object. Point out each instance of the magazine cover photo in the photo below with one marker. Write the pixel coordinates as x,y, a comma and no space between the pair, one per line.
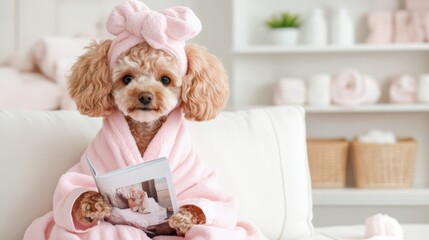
143,205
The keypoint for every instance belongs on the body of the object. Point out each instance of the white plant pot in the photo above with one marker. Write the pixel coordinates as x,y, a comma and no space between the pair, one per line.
285,36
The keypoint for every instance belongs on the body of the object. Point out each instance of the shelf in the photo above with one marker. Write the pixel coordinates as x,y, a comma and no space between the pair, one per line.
272,49
378,108
371,197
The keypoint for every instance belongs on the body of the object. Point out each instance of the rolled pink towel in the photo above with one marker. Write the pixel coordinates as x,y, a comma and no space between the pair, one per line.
382,225
403,89
290,91
380,25
409,27
351,88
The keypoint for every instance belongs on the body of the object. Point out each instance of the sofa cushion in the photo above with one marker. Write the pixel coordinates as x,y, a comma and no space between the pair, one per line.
36,148
259,154
261,157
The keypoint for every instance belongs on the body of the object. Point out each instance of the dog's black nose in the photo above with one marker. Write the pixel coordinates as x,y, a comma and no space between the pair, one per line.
145,97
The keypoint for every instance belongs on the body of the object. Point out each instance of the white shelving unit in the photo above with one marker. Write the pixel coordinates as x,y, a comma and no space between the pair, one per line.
258,65
371,197
378,108
360,48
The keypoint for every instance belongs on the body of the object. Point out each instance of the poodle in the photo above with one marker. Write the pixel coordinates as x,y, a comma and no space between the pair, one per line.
146,82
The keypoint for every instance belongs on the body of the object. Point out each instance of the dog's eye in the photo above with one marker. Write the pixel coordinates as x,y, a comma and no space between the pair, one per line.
88,219
165,80
127,79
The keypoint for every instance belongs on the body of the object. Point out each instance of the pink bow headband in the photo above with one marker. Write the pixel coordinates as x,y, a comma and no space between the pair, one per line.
132,22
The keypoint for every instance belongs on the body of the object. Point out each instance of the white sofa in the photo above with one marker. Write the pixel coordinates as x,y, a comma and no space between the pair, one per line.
260,156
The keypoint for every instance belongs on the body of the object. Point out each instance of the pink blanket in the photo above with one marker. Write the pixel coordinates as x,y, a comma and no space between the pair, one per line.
114,147
28,91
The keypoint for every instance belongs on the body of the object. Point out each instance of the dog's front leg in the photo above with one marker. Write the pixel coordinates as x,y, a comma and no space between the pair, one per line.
90,208
185,218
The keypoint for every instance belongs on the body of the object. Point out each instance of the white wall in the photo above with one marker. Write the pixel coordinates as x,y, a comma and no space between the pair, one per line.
7,26
24,21
216,17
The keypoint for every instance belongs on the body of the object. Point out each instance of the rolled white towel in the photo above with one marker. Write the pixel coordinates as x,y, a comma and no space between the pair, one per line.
351,88
382,225
319,90
423,93
290,91
378,136
403,89
47,51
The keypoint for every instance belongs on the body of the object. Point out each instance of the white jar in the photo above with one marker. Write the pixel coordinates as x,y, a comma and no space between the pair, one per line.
315,28
319,90
342,28
423,88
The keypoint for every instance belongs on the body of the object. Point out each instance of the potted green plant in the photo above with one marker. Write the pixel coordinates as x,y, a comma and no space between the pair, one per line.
285,28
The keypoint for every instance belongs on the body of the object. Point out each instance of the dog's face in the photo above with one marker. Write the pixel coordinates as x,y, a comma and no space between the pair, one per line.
146,83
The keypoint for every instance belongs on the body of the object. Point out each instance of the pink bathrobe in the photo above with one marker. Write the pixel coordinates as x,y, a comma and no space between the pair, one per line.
114,147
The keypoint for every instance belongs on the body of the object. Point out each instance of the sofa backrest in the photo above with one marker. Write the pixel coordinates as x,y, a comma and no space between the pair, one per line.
260,157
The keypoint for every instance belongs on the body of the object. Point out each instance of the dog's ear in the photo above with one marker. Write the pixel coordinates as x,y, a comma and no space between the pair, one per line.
205,88
90,83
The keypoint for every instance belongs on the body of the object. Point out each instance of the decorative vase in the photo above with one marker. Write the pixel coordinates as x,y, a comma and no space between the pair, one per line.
285,36
316,30
342,28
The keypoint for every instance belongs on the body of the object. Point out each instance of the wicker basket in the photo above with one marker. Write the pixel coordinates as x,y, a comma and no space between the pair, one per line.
328,162
384,165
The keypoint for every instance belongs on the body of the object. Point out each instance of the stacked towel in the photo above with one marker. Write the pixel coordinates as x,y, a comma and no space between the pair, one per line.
409,27
382,226
319,90
425,22
351,88
380,26
403,89
290,91
402,26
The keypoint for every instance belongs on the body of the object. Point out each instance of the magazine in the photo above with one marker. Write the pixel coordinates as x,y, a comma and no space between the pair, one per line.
141,195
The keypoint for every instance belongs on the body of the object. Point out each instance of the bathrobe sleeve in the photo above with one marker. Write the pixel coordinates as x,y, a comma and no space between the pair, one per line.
197,185
70,186
219,208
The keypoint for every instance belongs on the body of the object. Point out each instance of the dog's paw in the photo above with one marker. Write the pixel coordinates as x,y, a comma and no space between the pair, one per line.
185,218
89,208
